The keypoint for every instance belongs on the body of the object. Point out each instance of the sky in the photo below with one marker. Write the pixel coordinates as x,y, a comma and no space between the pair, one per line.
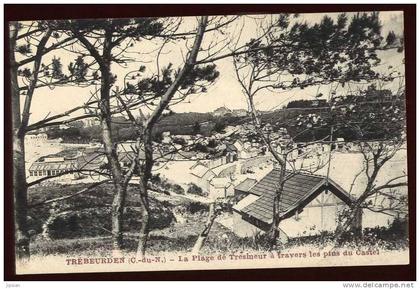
226,91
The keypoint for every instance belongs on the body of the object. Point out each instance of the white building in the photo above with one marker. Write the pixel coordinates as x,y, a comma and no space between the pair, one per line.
220,188
36,139
216,181
54,166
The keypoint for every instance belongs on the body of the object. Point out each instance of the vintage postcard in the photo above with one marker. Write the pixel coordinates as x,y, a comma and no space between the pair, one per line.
209,142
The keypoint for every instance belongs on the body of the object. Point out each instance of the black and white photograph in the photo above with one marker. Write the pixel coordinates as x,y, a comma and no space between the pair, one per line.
209,142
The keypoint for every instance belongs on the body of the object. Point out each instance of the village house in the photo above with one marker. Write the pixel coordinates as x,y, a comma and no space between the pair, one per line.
319,103
220,188
204,171
221,111
251,165
63,126
214,177
89,122
227,151
339,145
91,159
242,189
231,153
69,164
202,175
127,153
246,149
309,205
240,112
52,166
36,139
166,137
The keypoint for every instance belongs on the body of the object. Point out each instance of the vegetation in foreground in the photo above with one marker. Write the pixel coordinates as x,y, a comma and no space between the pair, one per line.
81,226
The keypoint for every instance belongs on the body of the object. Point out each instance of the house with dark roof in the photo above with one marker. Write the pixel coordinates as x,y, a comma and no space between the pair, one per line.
65,164
309,204
231,153
52,166
242,189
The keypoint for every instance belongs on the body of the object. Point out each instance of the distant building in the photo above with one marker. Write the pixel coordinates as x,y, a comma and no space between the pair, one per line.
339,145
127,153
254,163
166,137
53,167
319,103
239,112
216,181
67,168
202,176
126,158
247,150
36,139
88,122
231,153
63,126
221,111
220,188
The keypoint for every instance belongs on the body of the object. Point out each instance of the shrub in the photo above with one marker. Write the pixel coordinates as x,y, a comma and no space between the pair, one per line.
180,141
156,179
177,189
193,189
201,148
97,222
90,216
395,236
165,186
195,207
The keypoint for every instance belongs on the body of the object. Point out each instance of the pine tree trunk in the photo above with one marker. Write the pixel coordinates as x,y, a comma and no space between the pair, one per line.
145,215
19,174
117,221
120,192
115,168
120,189
20,199
147,135
350,222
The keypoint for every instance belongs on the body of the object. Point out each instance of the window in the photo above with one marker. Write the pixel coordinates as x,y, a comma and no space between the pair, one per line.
35,173
49,172
31,173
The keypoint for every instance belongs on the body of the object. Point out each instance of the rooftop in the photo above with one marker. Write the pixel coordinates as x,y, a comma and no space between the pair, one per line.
298,190
246,185
221,182
45,166
199,170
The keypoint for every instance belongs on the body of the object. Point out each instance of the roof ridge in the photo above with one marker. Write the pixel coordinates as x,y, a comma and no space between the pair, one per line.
299,172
